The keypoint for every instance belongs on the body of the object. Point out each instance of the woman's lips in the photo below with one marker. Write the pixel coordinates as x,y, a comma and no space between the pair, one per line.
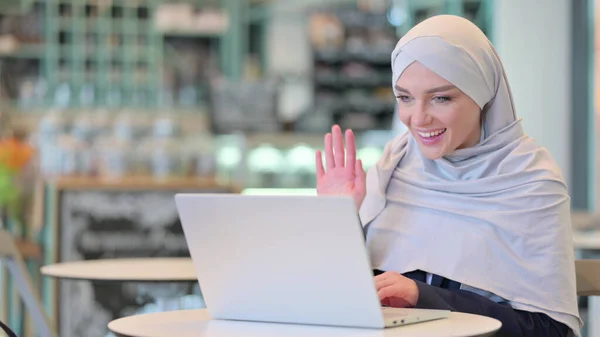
431,137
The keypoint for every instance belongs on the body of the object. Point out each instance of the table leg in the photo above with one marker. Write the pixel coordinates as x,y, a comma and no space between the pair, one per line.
169,297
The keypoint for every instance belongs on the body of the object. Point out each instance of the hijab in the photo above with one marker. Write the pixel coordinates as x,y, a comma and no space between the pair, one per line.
495,216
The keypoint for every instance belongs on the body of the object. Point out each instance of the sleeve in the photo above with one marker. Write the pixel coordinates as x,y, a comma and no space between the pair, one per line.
515,323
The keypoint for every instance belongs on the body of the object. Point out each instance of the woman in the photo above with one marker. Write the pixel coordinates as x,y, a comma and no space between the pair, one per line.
464,211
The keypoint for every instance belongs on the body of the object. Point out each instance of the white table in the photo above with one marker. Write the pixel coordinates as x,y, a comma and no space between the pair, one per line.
125,270
161,278
197,323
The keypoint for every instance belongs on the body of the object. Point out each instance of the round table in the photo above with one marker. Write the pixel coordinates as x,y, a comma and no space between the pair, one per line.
167,281
125,270
197,323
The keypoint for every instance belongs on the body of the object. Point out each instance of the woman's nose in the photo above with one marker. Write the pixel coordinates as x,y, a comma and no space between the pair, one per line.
420,116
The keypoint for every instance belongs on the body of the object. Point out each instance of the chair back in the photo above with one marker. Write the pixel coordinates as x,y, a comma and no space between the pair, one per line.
7,330
588,277
10,254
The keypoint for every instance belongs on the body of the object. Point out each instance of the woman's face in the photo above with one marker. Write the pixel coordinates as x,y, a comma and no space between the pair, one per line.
440,116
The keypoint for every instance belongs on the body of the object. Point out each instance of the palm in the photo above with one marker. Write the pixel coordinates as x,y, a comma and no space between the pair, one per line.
344,175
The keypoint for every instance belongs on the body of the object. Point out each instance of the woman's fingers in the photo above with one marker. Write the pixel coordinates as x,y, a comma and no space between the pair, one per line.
338,146
329,161
350,152
400,290
386,275
335,153
382,283
319,163
393,300
386,292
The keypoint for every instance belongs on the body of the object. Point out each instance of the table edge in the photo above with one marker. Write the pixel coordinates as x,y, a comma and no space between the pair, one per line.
94,279
498,324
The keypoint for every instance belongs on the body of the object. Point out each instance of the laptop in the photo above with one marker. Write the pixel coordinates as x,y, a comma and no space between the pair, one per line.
286,259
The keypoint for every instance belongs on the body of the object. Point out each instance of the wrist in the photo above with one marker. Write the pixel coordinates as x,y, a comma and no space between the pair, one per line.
358,201
413,297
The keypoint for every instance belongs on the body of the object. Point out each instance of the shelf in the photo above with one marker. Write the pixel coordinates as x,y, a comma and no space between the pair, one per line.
191,34
367,55
101,43
105,26
113,3
25,52
344,82
84,39
137,183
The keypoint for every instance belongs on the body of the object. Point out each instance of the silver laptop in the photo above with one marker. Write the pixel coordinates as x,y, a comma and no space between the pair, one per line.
286,259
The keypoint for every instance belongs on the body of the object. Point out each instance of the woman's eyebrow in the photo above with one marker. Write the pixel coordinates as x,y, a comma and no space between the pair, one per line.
441,88
398,88
429,91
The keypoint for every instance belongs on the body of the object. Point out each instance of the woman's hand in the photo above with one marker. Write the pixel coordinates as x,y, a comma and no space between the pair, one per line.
344,175
396,291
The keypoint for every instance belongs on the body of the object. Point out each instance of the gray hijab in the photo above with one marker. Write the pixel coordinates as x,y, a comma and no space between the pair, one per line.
495,216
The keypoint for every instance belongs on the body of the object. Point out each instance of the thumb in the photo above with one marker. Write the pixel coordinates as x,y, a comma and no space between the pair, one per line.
360,176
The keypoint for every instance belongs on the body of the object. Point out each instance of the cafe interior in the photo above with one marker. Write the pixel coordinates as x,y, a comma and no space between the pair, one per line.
108,108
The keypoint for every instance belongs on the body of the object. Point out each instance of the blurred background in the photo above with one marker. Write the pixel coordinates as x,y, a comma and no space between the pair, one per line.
109,107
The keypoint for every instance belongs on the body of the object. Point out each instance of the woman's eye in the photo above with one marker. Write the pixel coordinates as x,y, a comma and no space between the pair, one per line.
404,98
441,99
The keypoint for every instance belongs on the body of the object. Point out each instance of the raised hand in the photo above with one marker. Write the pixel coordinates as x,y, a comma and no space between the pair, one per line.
344,174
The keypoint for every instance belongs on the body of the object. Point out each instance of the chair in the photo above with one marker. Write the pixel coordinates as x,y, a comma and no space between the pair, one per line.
588,277
7,330
18,271
588,284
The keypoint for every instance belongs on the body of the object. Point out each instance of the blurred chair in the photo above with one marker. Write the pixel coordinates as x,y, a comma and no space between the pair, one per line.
585,220
7,330
17,270
588,284
588,277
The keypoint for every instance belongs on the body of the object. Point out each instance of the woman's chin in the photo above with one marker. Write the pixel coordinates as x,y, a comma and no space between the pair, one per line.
432,153
433,156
